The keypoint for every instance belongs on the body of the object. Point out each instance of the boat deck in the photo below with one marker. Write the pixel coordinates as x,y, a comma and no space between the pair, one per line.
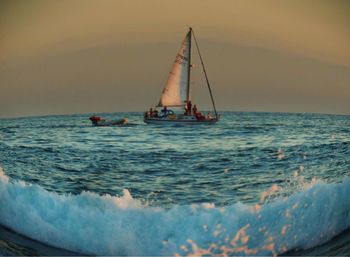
181,121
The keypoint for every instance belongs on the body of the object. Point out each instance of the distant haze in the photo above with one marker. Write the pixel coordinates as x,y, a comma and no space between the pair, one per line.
83,56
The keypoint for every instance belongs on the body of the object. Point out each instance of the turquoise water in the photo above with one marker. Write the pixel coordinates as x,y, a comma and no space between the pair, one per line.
147,189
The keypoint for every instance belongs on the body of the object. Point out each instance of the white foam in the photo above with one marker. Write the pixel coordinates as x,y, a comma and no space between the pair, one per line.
112,225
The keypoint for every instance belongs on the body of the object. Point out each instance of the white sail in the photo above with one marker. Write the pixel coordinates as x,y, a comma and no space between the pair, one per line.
176,89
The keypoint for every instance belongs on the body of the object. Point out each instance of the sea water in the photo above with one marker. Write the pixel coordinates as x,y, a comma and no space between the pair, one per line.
252,184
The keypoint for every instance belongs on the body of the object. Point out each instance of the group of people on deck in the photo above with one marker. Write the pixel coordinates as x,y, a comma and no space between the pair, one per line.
153,113
189,111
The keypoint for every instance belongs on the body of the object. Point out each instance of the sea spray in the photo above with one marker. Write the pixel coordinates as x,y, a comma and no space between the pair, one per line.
111,225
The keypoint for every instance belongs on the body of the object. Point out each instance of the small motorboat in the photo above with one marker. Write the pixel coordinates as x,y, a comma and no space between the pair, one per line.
98,121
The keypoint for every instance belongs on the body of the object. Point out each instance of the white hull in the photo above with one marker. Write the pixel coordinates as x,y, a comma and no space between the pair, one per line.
165,121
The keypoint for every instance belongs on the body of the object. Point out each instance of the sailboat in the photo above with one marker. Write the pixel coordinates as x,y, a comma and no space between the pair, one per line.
176,93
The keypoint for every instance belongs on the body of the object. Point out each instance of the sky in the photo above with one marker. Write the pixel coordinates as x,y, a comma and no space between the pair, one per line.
89,56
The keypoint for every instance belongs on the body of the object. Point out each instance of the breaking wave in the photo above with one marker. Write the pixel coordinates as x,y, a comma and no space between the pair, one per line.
111,225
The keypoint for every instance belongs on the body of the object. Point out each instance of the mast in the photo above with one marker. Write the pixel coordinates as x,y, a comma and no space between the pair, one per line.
205,73
189,67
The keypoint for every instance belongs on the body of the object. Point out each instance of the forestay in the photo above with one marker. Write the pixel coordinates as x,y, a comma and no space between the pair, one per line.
176,89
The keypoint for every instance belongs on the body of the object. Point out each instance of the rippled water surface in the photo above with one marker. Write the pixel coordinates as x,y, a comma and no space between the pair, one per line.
234,161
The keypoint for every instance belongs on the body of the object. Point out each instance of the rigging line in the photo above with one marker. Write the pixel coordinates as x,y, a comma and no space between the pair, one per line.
189,66
205,73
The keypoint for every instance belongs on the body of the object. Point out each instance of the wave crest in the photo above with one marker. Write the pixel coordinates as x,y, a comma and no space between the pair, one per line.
112,225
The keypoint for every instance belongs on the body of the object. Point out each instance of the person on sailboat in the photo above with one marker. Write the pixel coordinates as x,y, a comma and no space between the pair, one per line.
199,116
164,111
209,117
188,108
195,110
155,113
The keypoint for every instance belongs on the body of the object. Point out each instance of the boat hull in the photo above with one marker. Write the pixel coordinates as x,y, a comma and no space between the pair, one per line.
162,121
102,123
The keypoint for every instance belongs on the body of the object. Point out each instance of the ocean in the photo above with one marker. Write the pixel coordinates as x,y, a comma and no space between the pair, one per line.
252,184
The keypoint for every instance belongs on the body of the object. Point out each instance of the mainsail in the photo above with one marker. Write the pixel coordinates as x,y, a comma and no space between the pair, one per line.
176,90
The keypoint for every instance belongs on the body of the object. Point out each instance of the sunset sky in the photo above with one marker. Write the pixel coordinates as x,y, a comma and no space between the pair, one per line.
83,56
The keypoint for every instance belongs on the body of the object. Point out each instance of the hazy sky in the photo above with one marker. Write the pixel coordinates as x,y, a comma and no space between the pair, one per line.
59,56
